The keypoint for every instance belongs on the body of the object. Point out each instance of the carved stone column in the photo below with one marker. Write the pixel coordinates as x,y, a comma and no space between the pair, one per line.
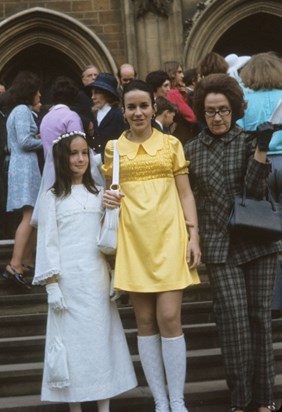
154,33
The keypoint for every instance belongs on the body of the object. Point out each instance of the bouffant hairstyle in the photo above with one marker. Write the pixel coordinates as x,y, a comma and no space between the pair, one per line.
212,63
64,90
138,85
23,89
63,173
171,67
219,83
263,72
156,79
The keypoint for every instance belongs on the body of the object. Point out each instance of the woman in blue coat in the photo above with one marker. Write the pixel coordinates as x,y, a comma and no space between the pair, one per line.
24,174
263,94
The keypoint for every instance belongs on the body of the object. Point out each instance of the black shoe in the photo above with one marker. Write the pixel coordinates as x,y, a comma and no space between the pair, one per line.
271,406
15,277
28,270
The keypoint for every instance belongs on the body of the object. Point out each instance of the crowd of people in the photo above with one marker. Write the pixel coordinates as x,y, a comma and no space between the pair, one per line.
188,142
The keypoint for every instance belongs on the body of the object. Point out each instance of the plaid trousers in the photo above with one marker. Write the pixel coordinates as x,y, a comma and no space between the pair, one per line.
242,305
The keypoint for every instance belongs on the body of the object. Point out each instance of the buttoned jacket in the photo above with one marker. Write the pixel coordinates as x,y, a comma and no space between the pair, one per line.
111,127
217,170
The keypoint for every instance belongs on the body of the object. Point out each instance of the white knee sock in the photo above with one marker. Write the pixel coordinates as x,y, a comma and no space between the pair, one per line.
103,405
75,407
150,353
174,357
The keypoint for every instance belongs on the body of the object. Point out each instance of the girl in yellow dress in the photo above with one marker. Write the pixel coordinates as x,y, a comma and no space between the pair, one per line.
154,261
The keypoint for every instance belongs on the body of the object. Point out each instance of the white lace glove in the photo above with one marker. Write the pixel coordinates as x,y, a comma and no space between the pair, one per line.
55,297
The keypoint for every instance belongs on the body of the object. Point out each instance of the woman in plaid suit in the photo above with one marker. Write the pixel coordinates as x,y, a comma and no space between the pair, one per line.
241,272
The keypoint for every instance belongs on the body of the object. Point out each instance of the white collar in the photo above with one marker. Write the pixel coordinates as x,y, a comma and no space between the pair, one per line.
101,113
59,106
160,124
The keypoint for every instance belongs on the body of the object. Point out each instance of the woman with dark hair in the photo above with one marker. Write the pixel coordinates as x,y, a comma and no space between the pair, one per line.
158,247
160,83
109,122
222,158
60,118
185,119
24,174
75,274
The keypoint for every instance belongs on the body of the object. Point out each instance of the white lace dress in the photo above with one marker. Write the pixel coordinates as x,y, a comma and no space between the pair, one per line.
98,358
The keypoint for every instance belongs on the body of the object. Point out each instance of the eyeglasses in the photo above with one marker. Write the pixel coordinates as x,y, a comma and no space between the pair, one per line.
221,112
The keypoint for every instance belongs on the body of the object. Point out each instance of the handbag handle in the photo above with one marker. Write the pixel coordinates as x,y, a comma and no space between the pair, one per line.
115,178
269,197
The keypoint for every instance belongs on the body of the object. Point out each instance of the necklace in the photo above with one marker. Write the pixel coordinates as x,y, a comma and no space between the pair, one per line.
84,203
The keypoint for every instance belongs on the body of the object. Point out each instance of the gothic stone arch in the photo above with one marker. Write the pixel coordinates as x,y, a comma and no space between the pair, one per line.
214,18
56,30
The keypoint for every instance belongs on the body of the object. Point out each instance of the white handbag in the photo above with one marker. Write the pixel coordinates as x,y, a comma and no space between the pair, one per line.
56,364
107,237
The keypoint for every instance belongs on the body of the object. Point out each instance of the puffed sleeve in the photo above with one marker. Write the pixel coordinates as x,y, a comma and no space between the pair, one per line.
179,163
47,250
107,167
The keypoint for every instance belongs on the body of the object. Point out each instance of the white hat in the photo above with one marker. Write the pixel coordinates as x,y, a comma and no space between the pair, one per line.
235,63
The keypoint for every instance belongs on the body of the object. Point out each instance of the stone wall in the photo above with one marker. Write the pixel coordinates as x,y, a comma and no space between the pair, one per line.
103,17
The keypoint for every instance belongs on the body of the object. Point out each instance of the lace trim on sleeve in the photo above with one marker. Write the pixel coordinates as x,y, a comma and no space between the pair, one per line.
41,279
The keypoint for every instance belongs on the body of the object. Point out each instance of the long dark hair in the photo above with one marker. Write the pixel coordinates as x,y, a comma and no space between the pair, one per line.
63,174
23,89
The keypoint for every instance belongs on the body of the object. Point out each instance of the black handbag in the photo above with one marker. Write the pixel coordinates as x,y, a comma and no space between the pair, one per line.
257,220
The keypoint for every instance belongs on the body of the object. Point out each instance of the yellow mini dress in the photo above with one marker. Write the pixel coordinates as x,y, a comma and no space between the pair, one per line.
152,236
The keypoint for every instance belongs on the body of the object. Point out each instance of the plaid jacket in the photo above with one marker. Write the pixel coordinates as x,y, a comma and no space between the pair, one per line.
218,167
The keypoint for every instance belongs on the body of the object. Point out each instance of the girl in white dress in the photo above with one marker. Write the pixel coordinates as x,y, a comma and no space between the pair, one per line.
82,321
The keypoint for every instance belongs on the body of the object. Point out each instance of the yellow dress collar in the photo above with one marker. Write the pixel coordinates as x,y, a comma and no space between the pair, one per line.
151,145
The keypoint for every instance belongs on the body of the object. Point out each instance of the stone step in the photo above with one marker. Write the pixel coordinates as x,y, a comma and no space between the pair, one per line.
198,335
192,293
9,288
36,303
18,357
32,317
199,396
27,303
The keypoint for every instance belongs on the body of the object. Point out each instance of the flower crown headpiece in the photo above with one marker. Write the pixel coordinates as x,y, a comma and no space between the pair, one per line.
70,134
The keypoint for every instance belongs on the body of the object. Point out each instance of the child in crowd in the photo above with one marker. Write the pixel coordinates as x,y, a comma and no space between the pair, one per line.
82,322
164,116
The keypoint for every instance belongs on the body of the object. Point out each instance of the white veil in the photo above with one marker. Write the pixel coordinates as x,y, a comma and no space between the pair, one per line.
48,178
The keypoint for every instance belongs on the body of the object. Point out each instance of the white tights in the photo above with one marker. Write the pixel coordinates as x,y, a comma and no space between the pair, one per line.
103,406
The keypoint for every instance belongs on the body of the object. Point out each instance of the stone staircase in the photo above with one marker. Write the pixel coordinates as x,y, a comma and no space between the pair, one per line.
22,329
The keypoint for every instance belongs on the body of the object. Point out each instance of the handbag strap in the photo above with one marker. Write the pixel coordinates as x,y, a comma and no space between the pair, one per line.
268,197
115,178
